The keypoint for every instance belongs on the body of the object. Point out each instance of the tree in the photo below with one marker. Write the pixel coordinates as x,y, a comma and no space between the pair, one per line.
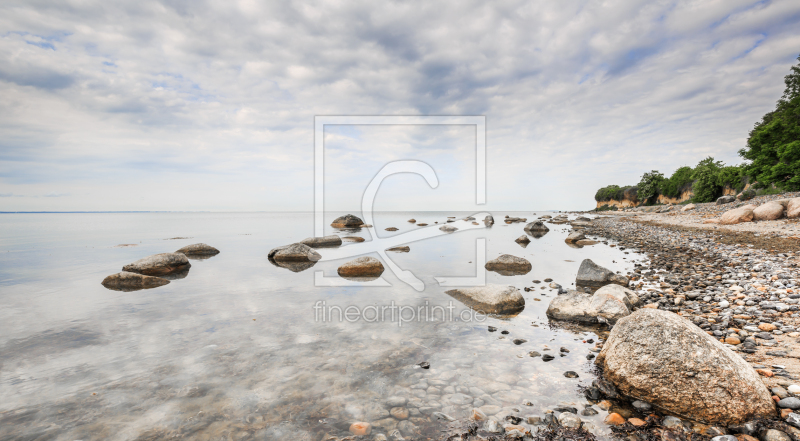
706,187
648,185
774,143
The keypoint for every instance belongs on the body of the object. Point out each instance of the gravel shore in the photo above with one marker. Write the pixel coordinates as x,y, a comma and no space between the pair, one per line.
738,283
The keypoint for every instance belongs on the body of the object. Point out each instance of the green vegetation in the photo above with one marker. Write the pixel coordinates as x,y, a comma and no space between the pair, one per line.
649,185
774,143
773,152
606,208
614,192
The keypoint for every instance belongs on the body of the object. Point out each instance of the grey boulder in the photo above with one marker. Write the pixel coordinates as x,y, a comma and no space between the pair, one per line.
523,240
725,200
198,249
658,357
509,265
347,221
296,252
362,267
491,299
536,226
574,237
126,281
594,276
573,306
159,264
321,242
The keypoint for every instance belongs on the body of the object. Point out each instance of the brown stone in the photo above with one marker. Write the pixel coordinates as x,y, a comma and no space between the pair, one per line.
767,327
614,419
737,215
636,422
772,210
360,428
793,208
732,340
605,405
362,267
401,413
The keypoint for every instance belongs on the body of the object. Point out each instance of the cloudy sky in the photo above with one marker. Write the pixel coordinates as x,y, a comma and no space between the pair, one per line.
210,105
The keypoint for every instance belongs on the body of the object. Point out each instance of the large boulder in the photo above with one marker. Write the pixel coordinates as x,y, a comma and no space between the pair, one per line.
296,252
362,267
793,208
198,249
725,200
660,358
623,294
321,242
572,306
772,210
593,276
347,221
491,299
509,265
159,264
608,307
737,215
126,281
574,237
688,207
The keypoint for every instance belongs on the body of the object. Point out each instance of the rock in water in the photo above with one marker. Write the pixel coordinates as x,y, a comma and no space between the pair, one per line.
509,265
594,276
737,215
126,281
296,252
362,267
488,220
404,249
491,299
347,221
608,307
537,226
198,249
725,200
321,242
650,353
572,306
523,240
772,210
159,264
448,228
412,221
574,237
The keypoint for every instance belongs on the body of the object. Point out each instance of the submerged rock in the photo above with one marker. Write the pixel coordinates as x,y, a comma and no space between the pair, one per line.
660,358
509,265
198,249
126,281
296,252
362,267
491,299
488,220
594,276
159,264
404,249
347,221
448,228
321,242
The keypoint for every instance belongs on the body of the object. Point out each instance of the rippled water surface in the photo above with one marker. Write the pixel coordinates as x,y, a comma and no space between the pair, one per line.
236,350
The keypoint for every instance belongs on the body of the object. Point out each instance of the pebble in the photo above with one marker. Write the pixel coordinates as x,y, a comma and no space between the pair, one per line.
570,420
571,374
641,406
794,389
360,428
671,422
614,419
793,419
789,403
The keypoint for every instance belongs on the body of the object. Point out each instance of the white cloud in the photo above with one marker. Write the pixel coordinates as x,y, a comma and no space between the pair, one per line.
183,105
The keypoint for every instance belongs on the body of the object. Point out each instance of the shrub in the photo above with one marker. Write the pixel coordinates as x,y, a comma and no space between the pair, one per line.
612,192
733,176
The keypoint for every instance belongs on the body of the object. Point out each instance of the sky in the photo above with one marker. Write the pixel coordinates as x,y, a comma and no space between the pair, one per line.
201,105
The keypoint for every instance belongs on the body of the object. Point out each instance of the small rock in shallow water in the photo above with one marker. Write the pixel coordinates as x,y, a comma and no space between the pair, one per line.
519,341
614,419
547,357
571,374
534,354
401,413
641,406
424,365
360,428
492,329
493,427
569,420
589,411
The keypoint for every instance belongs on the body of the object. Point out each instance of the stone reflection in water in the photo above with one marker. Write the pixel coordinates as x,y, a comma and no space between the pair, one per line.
293,266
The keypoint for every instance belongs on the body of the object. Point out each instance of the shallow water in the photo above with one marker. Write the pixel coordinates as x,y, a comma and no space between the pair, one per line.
236,349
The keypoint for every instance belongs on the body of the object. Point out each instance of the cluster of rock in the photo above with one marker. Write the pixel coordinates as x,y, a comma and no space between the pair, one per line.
157,270
772,210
